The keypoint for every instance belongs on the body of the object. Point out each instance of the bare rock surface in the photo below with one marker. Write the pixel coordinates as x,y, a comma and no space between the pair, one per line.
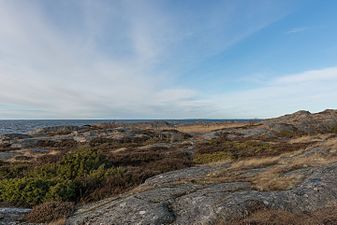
12,216
192,196
187,203
57,130
299,123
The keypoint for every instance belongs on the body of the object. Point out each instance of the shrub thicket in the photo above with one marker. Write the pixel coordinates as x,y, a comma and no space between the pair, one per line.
76,175
86,174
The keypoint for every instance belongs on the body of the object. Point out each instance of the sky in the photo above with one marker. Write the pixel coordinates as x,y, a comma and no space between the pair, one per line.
166,59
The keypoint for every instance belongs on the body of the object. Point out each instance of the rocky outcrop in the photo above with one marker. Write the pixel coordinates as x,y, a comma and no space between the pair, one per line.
6,140
301,179
168,200
296,124
306,123
53,140
226,192
57,130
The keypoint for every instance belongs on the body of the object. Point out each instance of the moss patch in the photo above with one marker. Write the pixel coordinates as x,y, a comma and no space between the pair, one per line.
221,149
211,157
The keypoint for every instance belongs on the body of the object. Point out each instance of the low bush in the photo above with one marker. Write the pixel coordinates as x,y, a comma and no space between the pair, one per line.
220,149
86,174
11,170
50,211
78,174
135,158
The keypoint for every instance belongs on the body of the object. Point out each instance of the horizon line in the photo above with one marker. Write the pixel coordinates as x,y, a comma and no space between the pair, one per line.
139,119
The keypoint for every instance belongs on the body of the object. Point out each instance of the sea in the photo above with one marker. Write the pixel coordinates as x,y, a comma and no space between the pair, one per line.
24,126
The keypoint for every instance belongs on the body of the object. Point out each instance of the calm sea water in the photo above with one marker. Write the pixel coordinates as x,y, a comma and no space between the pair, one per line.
23,126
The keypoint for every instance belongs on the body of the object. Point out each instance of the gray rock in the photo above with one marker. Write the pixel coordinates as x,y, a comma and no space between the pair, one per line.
6,140
299,123
173,198
57,130
12,216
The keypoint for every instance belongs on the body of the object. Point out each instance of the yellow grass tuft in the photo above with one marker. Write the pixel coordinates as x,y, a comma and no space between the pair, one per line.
274,180
255,163
61,221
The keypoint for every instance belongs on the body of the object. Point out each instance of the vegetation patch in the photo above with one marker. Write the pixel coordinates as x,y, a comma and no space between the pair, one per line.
334,130
221,149
211,157
12,170
50,211
75,176
253,163
288,134
273,181
85,174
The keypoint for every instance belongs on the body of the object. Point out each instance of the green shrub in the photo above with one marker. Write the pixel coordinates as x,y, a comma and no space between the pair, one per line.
78,174
81,163
87,174
28,191
10,170
64,190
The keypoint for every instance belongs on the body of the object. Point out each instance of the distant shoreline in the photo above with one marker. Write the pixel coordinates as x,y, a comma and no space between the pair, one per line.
23,126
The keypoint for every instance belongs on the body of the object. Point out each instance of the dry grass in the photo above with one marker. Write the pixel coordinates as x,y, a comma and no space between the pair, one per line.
50,212
204,128
275,171
309,138
275,180
27,155
61,221
312,161
269,180
255,163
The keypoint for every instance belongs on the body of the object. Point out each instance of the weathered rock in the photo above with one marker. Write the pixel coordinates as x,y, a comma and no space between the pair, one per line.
6,140
173,135
57,130
165,199
191,196
306,123
12,216
194,195
55,141
296,124
14,136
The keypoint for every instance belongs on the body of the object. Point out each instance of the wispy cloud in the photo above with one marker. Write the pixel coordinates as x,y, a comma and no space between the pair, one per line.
297,30
312,90
113,59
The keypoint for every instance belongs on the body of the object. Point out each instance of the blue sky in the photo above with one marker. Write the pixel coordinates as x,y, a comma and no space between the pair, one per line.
166,58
